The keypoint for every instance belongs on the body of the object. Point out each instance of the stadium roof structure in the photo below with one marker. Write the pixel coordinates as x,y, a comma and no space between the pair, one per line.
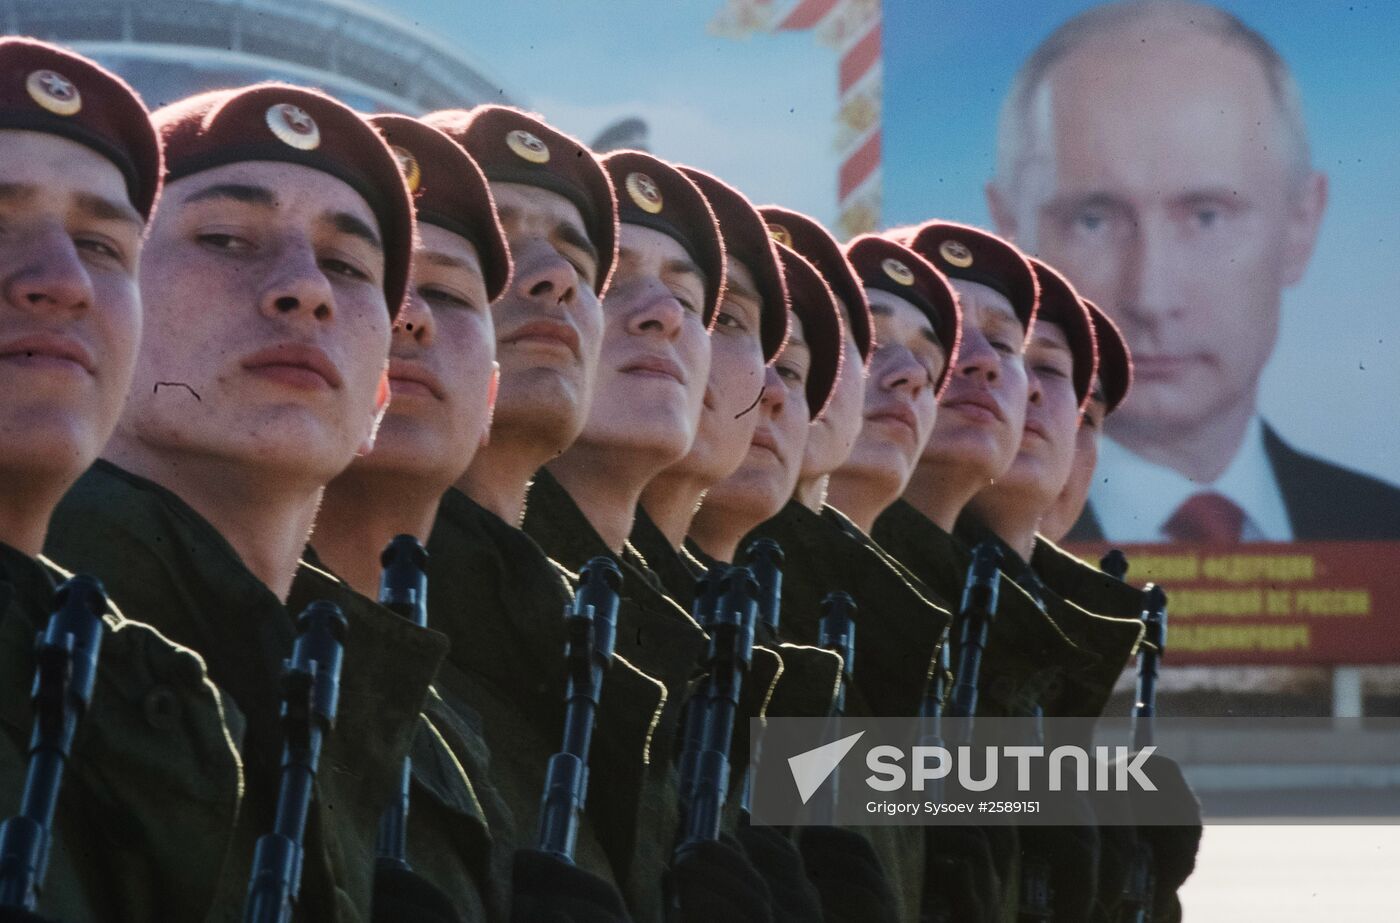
345,45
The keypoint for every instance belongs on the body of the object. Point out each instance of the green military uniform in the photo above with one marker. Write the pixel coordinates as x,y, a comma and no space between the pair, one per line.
663,641
449,836
807,685
151,794
1089,587
501,601
1028,658
159,557
899,630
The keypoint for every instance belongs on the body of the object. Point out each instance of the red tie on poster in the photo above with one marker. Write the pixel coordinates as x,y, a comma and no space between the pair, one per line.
1321,603
1206,518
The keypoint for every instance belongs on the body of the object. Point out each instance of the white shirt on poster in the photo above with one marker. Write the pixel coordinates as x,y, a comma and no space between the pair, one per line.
1134,498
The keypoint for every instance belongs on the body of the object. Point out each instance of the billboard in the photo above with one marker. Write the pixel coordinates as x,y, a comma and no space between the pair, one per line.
1220,180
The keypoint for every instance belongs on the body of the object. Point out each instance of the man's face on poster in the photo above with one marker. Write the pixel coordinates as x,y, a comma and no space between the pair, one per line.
1160,184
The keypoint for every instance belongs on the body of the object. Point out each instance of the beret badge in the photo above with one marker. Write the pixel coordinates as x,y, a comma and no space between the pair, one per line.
780,234
527,146
897,271
294,126
956,253
644,192
408,166
54,92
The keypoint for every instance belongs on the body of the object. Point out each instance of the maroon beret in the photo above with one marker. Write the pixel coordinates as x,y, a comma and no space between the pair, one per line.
515,147
883,264
1115,359
807,236
815,305
450,191
974,255
48,89
653,194
746,240
1060,304
290,124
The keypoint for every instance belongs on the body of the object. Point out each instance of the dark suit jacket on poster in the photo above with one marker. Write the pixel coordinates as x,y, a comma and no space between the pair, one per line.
1325,502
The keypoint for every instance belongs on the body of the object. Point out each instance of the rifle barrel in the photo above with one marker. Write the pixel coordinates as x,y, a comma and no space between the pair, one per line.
591,624
310,696
403,590
64,679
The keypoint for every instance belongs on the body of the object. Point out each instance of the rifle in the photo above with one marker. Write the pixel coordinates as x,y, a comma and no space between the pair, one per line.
935,905
403,590
591,623
836,631
708,592
764,557
310,693
728,659
979,607
1037,889
64,678
1139,891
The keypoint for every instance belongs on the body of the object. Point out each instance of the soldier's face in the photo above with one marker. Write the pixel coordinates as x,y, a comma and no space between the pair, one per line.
267,332
765,480
1157,188
70,315
549,322
900,403
1070,503
833,436
735,382
1046,455
656,351
441,365
983,409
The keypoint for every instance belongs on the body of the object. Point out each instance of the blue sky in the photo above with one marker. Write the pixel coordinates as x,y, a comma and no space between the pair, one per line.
757,112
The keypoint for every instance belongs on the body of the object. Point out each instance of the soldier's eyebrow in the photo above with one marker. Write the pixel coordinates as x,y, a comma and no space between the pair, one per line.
12,193
96,206
243,193
576,238
685,267
104,209
447,260
346,223
733,287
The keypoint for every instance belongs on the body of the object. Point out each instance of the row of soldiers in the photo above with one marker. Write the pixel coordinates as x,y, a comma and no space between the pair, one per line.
470,329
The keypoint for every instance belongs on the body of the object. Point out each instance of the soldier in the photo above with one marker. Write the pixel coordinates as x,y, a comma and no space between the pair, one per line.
917,325
646,411
827,552
1061,364
751,326
271,279
975,438
796,389
750,330
79,179
834,433
1111,385
1099,612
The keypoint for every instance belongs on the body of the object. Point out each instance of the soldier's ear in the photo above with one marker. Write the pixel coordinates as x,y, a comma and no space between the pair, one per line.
491,391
